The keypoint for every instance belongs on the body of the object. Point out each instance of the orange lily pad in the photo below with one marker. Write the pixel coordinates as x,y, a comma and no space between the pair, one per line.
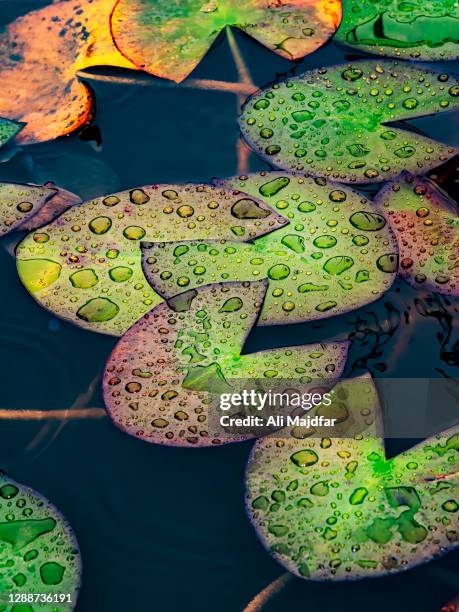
169,39
40,54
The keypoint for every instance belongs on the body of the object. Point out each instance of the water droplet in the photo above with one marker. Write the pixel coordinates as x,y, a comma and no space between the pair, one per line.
120,274
84,279
248,209
338,265
100,225
367,221
98,310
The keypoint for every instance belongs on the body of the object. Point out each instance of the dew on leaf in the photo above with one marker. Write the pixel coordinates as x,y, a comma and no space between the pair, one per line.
20,203
315,261
193,351
426,224
46,540
85,266
346,137
184,32
407,30
41,78
382,515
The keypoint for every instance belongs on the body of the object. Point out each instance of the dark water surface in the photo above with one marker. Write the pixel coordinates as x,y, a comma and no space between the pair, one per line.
164,528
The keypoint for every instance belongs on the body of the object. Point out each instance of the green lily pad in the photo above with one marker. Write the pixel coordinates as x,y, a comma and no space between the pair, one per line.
38,549
335,121
169,39
336,254
86,265
401,28
19,203
353,513
8,130
159,376
426,223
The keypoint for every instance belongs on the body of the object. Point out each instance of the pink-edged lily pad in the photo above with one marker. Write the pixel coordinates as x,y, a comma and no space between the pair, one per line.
335,254
335,508
159,377
426,223
20,203
38,549
86,265
337,121
61,201
169,39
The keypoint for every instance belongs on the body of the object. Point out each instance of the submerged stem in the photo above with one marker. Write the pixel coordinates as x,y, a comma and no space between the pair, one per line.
264,596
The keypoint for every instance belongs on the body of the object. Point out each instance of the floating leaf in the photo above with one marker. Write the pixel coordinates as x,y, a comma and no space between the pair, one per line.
38,550
335,121
158,378
169,39
86,265
426,224
59,202
8,130
19,203
335,255
403,29
353,513
40,54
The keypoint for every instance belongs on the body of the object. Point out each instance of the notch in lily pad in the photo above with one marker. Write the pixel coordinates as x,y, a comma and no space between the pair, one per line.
85,266
342,510
334,254
164,374
169,39
337,122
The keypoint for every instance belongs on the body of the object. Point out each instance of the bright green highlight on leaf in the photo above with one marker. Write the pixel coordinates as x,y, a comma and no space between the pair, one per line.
8,130
85,266
38,550
426,223
352,513
159,376
169,39
333,121
335,254
423,30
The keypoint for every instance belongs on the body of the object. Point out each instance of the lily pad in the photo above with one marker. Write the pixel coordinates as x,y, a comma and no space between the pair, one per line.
169,39
40,54
86,265
60,201
8,130
426,223
38,549
397,28
336,254
352,513
336,121
159,376
19,203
